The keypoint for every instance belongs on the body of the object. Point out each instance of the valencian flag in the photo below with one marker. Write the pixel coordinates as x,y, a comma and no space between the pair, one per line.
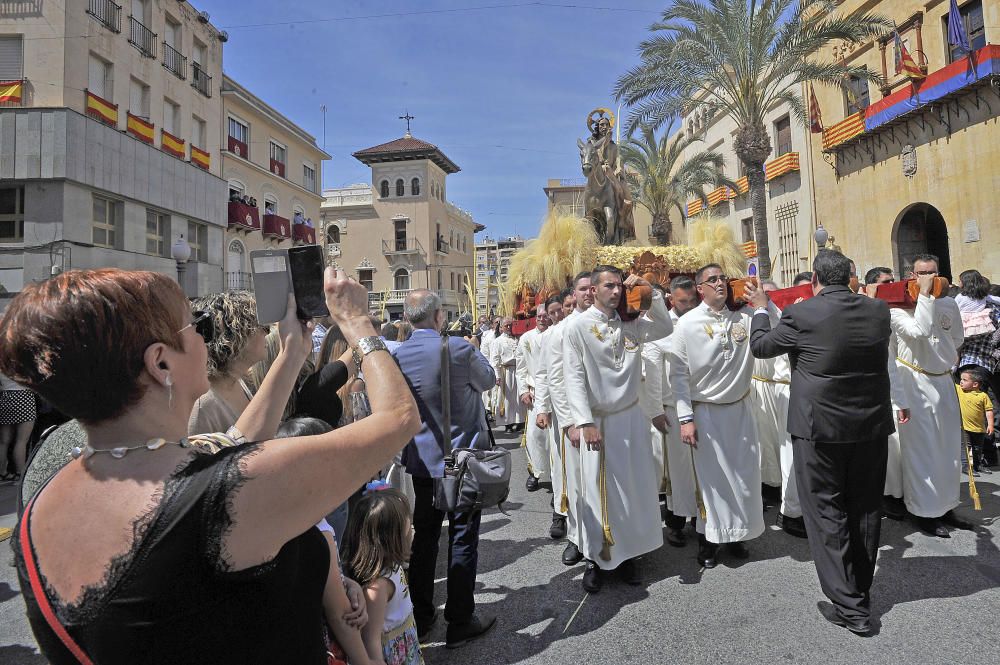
815,117
956,30
905,63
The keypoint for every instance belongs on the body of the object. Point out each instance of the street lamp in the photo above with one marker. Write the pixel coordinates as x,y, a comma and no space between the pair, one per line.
181,252
821,236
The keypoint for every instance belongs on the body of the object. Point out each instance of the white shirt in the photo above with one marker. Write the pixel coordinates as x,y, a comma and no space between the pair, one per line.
602,360
929,336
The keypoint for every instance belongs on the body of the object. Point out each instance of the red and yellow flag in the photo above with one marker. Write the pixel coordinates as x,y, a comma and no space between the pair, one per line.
140,129
815,117
10,91
905,64
171,145
102,109
200,158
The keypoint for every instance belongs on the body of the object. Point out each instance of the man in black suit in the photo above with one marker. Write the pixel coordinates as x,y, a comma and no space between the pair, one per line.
839,418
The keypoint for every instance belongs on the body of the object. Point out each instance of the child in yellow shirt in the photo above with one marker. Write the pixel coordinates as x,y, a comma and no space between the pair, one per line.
977,414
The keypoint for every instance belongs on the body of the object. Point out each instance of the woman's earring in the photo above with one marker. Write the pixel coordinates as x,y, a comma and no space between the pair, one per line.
170,391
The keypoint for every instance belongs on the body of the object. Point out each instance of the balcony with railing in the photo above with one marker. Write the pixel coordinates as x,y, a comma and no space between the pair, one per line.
200,80
141,37
107,13
393,297
239,281
409,245
174,61
442,246
357,195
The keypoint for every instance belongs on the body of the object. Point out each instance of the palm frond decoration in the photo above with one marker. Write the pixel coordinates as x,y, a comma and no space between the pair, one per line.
714,242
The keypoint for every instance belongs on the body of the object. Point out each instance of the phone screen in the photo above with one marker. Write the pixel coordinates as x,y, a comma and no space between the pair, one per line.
306,266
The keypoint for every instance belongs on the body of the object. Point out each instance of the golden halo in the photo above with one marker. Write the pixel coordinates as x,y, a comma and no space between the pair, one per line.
600,112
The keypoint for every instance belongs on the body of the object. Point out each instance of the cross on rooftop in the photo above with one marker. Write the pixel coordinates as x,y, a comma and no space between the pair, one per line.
407,118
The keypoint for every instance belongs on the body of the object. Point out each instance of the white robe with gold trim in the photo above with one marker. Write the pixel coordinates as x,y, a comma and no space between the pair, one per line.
508,409
527,359
618,506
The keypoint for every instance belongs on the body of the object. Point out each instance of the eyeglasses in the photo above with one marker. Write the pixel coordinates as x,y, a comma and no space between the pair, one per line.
714,279
925,272
203,324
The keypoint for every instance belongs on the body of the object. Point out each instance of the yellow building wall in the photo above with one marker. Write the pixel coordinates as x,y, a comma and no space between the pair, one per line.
862,192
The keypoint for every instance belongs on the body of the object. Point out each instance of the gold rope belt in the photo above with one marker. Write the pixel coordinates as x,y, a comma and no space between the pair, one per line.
764,379
917,368
665,481
609,540
563,498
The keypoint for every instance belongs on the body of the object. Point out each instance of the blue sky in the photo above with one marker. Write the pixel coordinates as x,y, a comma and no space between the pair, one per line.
503,91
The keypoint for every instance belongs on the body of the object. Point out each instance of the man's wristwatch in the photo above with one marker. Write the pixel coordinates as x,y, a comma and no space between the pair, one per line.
685,421
365,346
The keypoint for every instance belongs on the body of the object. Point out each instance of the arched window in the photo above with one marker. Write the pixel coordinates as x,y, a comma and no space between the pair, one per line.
415,187
270,205
401,278
400,187
383,189
333,234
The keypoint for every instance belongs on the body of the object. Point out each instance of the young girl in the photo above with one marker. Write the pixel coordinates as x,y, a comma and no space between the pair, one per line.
376,547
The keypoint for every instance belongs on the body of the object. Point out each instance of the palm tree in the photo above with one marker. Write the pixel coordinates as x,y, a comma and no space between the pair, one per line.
742,59
660,180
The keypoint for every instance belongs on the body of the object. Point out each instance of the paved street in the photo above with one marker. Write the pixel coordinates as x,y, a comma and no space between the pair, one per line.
935,600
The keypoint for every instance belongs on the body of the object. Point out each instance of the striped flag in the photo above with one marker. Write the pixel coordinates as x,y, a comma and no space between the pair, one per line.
200,158
815,117
905,64
10,91
170,144
139,128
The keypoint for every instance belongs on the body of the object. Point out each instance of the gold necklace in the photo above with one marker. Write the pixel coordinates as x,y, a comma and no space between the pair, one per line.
119,452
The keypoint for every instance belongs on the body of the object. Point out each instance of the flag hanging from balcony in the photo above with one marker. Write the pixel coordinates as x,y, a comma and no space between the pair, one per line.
102,109
139,128
815,117
171,144
200,158
905,64
956,30
10,91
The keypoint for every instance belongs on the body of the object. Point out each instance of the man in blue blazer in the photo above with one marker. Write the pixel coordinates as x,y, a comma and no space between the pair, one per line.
419,359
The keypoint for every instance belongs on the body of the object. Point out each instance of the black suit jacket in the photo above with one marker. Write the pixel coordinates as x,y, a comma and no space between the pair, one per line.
838,345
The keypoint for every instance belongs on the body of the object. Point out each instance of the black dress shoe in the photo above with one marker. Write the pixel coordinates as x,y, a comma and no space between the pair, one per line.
461,633
676,538
706,552
531,484
558,529
738,550
628,571
571,555
830,613
793,526
953,520
893,508
932,527
592,581
424,627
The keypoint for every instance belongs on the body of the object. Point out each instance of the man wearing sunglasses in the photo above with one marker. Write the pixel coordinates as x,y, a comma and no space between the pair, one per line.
927,341
710,372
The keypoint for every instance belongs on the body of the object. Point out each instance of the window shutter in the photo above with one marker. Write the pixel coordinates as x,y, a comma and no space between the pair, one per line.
10,58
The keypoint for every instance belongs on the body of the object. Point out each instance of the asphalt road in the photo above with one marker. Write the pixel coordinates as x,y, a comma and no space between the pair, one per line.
935,601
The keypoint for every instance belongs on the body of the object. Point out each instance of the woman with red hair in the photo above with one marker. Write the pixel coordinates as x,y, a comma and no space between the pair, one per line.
145,547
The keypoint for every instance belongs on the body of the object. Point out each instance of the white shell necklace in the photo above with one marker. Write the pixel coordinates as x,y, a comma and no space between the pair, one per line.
119,452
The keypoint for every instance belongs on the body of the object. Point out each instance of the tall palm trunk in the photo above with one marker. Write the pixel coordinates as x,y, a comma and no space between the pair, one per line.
758,204
752,146
661,229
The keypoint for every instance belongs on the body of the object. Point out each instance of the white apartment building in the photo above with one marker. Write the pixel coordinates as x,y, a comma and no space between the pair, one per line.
492,264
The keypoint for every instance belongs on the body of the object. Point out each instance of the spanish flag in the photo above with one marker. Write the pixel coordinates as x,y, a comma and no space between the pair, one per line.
102,109
140,129
200,158
10,91
171,145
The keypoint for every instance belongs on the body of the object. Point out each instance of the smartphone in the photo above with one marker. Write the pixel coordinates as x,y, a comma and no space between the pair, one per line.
305,265
271,284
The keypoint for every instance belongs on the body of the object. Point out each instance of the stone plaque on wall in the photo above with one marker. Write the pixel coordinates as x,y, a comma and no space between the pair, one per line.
971,229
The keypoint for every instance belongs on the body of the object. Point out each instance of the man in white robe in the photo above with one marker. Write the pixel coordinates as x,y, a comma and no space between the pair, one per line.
486,348
618,505
526,358
931,442
772,378
710,371
673,460
509,411
555,416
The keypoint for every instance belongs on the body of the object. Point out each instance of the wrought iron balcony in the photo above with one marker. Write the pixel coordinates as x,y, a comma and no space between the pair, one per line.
408,245
200,80
391,297
174,61
141,37
107,13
